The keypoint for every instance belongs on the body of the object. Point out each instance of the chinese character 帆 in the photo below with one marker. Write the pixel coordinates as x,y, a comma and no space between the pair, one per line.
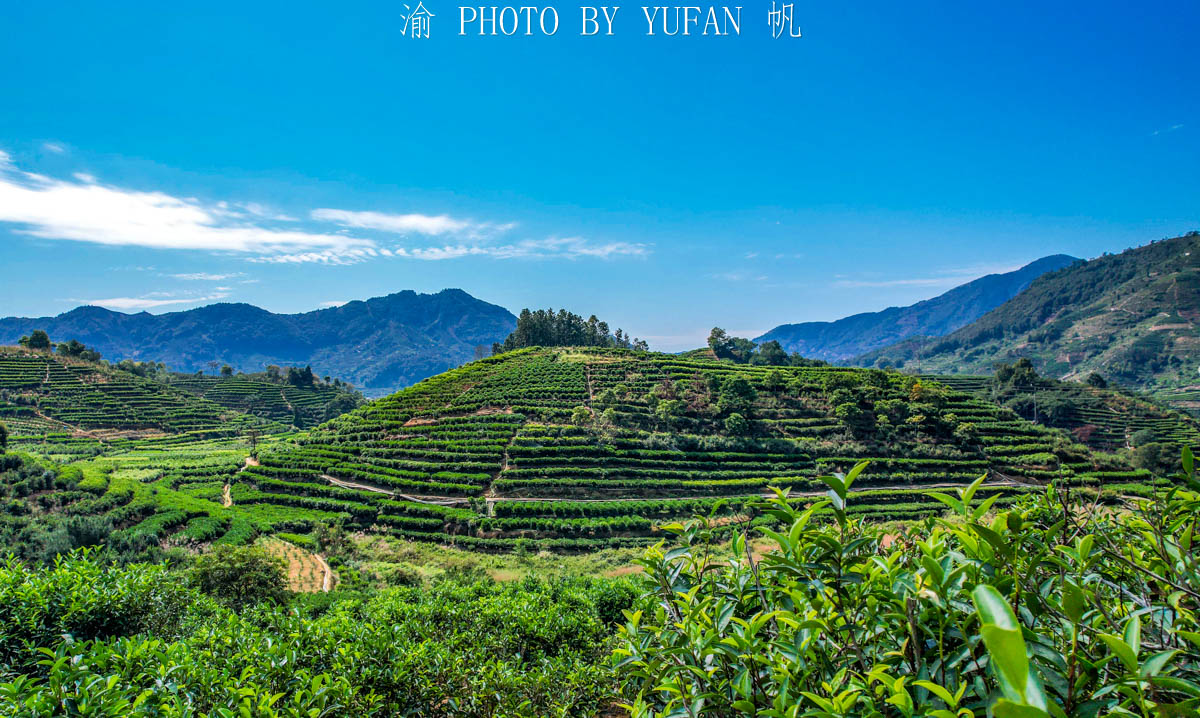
780,19
416,23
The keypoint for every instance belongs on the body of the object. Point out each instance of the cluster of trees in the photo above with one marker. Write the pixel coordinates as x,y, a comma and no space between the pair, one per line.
872,406
744,351
76,349
39,340
723,403
548,328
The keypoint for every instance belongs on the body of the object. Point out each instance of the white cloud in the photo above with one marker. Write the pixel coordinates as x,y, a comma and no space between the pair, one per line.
153,300
951,277
83,209
55,147
739,276
1172,128
86,211
563,247
432,225
206,277
328,305
554,247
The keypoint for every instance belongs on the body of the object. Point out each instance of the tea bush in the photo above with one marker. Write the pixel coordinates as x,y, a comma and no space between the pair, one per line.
1051,607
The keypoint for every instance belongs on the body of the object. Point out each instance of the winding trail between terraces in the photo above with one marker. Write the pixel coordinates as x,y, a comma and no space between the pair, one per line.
327,583
1004,482
227,491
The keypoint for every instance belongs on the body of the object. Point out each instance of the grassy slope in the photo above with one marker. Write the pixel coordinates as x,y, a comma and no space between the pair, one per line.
1129,316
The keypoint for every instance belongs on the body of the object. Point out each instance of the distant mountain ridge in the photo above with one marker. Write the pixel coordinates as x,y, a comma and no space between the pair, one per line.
380,345
1132,317
851,336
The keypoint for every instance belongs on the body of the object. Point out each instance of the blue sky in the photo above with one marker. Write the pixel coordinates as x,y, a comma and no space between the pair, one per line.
291,155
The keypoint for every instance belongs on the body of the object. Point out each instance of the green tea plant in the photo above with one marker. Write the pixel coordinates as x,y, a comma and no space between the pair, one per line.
1052,607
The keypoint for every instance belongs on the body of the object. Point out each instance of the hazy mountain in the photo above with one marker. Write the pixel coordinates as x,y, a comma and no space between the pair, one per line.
1131,317
380,345
854,335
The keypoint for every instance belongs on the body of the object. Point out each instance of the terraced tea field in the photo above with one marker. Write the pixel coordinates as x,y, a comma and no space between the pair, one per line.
573,450
578,449
299,406
1104,418
43,393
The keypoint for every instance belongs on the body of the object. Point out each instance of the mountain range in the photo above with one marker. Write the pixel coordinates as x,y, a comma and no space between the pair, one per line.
844,339
1130,317
380,345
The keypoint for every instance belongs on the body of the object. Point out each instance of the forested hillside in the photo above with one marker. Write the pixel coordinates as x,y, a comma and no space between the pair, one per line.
1130,317
854,335
379,345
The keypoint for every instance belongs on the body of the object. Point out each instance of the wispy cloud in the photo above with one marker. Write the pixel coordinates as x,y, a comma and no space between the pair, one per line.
84,209
553,247
431,225
949,277
55,147
206,277
336,303
87,211
1164,131
739,276
150,301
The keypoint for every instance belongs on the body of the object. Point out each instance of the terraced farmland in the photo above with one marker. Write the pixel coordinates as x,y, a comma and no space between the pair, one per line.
578,449
571,449
1103,418
255,394
45,392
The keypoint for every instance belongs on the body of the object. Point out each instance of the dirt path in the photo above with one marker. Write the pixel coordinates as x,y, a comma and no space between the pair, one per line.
327,582
227,492
435,500
1006,483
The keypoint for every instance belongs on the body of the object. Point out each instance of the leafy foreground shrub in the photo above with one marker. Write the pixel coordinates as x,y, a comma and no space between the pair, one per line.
536,648
1046,609
240,575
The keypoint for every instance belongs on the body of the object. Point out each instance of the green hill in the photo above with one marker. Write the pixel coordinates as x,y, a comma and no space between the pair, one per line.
589,448
1103,417
66,407
1130,317
573,449
302,406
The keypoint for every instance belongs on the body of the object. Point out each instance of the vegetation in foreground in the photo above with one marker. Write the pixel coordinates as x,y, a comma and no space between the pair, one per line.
1050,607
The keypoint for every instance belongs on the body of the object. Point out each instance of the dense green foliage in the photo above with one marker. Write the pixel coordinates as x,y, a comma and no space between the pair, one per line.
82,639
1051,607
1129,317
57,393
547,328
744,351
